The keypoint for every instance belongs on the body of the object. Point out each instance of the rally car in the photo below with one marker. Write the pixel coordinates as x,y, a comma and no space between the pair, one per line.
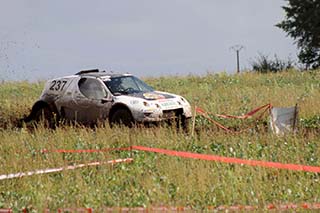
91,96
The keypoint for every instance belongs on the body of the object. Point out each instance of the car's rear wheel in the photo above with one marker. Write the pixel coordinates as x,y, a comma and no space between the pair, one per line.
46,116
121,117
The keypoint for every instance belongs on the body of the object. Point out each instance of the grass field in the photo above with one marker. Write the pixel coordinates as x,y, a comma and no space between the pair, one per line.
159,180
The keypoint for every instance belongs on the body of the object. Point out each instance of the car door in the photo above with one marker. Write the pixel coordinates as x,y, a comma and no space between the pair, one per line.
91,101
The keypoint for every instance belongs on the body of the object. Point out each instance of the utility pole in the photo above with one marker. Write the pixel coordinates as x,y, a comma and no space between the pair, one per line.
237,49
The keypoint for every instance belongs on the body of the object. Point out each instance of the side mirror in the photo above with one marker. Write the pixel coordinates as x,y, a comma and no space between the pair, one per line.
106,100
117,94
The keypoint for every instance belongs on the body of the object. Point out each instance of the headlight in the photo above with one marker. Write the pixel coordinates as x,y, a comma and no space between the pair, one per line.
146,104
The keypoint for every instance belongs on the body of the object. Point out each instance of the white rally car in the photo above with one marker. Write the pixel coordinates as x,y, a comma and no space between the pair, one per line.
91,96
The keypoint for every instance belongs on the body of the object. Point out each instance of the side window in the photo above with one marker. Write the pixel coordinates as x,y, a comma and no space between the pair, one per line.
92,88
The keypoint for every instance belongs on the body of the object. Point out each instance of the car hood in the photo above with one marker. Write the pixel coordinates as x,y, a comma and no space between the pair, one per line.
156,95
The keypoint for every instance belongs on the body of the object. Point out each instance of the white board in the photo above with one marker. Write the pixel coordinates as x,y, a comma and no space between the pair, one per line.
283,120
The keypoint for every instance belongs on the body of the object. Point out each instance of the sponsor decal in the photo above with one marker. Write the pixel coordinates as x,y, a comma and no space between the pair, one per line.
153,96
134,102
168,104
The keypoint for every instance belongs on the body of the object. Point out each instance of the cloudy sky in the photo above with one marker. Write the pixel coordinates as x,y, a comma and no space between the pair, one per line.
41,39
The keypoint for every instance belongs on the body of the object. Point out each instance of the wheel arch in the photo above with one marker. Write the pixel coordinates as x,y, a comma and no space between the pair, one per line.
116,107
39,105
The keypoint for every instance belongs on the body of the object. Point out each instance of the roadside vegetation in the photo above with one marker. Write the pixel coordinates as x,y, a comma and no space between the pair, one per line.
264,64
159,180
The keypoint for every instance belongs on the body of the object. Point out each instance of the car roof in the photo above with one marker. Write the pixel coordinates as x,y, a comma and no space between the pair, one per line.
96,73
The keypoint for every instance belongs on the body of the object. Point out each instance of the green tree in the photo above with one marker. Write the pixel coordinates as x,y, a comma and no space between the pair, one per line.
302,23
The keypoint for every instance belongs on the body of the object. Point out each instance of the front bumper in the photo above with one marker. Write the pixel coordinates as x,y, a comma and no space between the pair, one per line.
161,115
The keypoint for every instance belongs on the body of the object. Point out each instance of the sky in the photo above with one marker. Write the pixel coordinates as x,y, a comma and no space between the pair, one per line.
43,39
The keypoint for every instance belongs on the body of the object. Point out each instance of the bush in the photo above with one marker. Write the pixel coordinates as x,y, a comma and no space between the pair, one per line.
263,64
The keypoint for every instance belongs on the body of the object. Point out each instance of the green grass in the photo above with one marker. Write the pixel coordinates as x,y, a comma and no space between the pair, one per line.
159,180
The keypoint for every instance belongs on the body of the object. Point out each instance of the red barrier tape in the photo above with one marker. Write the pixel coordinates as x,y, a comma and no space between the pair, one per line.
85,150
290,206
310,206
6,211
248,115
294,167
88,210
218,124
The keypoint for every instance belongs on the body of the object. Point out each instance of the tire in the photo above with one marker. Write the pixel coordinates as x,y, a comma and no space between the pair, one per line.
182,123
185,124
45,115
121,117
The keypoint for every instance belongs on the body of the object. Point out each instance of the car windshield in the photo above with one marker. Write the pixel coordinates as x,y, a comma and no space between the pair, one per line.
127,85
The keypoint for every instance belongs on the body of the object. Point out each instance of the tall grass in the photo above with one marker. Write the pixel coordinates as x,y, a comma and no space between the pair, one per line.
159,180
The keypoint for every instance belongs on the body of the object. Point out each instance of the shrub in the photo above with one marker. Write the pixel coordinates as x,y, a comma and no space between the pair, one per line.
263,64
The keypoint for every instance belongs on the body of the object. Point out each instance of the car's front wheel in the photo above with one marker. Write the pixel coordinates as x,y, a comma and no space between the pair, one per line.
185,124
121,117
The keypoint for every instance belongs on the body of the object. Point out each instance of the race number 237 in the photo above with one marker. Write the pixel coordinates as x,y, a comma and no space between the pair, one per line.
57,85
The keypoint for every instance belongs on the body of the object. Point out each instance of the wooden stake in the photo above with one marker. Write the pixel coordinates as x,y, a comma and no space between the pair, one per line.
193,120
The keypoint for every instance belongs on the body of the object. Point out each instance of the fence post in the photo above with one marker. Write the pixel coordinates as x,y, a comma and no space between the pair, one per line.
193,120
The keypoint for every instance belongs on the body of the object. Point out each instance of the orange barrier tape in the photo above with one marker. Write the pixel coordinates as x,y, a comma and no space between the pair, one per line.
294,167
45,171
218,124
88,210
249,114
290,206
85,150
6,211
